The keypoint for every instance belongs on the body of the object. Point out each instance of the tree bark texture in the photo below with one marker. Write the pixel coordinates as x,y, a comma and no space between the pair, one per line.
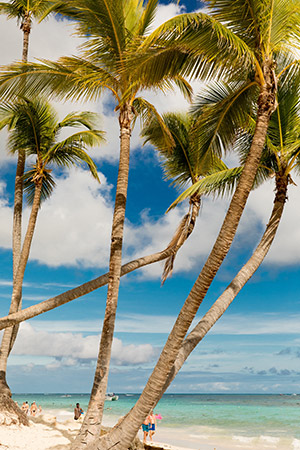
17,288
6,346
122,435
239,281
92,422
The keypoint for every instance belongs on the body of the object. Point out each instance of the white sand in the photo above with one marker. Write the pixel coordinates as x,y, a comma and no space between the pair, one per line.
46,435
49,432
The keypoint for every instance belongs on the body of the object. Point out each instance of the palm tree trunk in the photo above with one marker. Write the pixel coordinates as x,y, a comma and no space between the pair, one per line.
93,418
239,281
81,290
227,297
122,436
17,288
26,28
6,347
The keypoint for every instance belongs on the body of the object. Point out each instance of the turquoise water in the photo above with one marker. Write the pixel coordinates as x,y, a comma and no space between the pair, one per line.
243,415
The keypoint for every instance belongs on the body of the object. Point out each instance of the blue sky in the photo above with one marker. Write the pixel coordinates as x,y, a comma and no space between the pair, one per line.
255,347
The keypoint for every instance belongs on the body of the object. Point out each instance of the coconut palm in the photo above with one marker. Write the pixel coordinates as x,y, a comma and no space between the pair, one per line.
236,40
280,159
115,30
264,33
25,11
34,128
182,165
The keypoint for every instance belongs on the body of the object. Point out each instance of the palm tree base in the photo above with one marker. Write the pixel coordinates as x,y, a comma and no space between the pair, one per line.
10,413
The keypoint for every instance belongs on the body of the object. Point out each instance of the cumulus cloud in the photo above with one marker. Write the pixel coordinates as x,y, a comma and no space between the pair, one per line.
73,348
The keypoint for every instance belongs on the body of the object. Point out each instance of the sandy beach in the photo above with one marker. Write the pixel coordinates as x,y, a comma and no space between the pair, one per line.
49,432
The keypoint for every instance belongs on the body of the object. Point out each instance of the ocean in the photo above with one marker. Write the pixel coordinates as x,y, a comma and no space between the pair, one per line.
241,421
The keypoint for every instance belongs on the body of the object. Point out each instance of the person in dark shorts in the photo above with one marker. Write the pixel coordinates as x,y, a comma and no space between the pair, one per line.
77,411
152,425
145,428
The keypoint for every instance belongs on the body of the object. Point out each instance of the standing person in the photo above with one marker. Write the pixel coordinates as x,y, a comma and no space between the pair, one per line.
77,411
33,409
25,407
152,425
145,428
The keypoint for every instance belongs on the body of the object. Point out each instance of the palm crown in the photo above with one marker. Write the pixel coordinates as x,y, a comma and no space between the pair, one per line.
34,128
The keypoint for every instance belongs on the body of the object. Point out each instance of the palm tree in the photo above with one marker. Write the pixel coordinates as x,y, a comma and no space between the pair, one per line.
240,41
24,11
281,157
116,30
34,128
266,32
182,165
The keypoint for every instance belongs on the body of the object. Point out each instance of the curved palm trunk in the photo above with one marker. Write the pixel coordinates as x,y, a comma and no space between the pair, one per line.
90,286
17,289
93,418
157,380
239,281
232,290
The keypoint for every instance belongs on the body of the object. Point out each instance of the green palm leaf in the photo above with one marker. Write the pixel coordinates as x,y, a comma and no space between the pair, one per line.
220,111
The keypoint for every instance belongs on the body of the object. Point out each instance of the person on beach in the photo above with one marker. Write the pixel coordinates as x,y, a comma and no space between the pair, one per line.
77,412
145,428
40,410
152,425
25,408
33,409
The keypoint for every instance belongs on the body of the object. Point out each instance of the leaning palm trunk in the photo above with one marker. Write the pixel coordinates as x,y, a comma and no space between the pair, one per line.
122,436
232,290
93,418
17,288
90,286
79,291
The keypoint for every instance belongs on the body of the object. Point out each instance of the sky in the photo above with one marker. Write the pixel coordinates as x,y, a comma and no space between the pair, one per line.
254,347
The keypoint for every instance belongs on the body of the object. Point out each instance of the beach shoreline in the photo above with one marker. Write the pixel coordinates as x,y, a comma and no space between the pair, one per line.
56,432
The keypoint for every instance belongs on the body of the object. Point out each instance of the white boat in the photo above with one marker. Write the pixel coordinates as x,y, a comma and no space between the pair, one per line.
111,397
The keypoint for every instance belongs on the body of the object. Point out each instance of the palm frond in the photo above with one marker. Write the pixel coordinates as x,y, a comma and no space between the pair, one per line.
220,111
88,119
284,28
147,17
218,183
71,78
147,113
214,50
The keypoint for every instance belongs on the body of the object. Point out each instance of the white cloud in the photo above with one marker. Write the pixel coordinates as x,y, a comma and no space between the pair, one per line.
72,348
74,225
229,324
156,236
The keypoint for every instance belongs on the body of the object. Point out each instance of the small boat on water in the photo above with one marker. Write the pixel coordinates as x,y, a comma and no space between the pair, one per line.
112,397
